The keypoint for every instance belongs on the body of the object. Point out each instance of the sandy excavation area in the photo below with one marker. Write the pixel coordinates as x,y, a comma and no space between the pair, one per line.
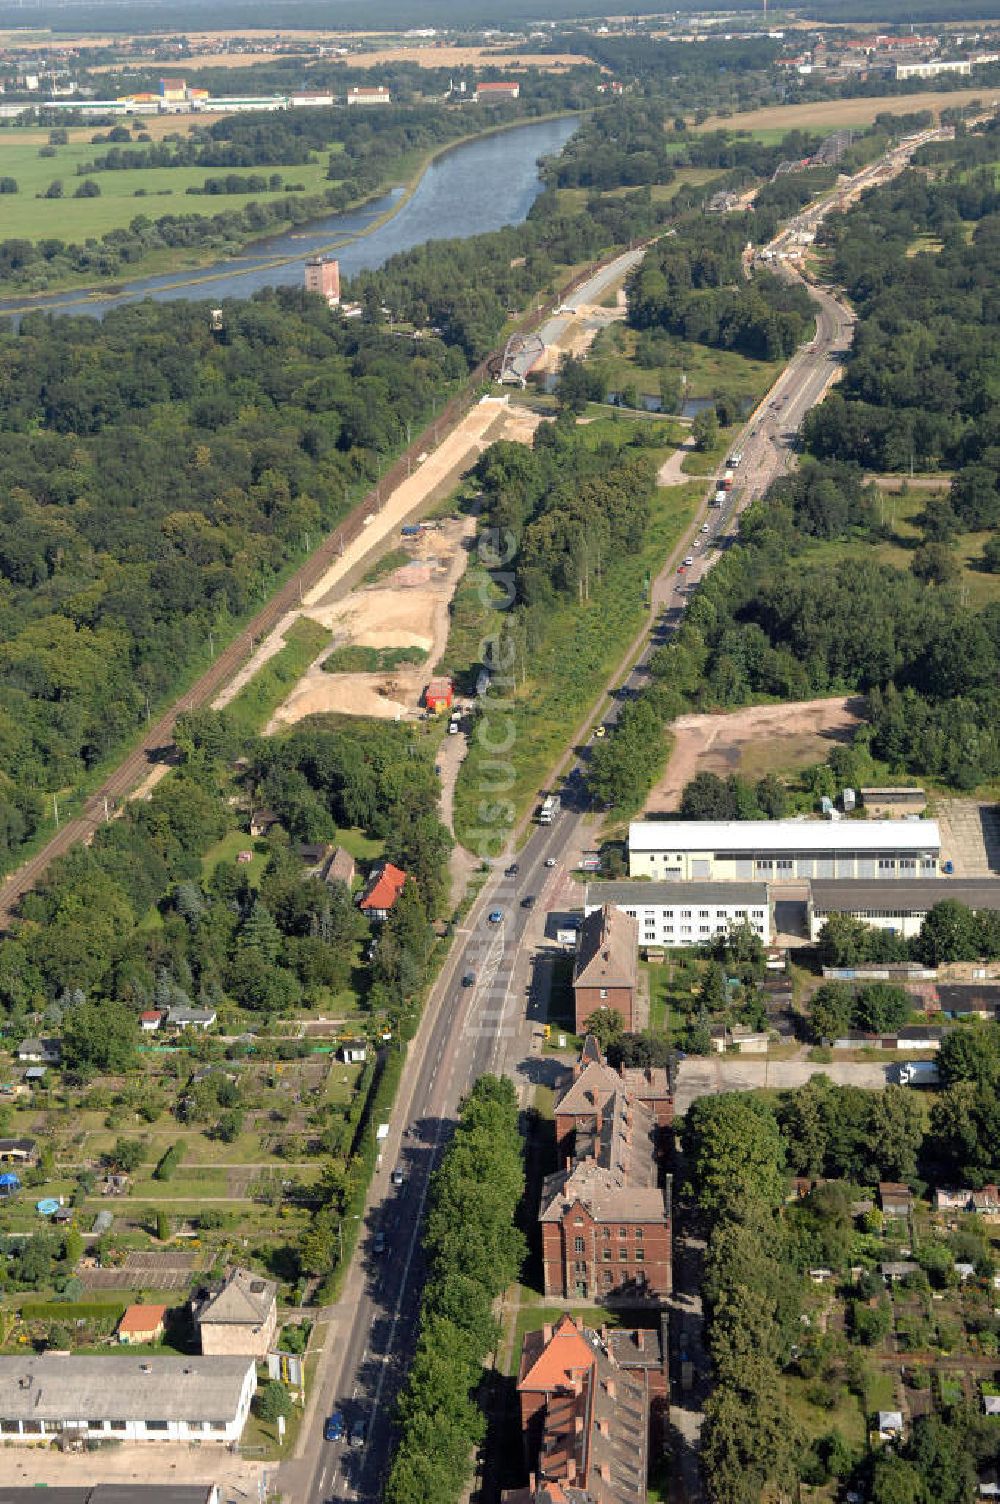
406,609
754,741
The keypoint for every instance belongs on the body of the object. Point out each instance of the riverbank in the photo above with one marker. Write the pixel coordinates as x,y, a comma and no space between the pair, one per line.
184,268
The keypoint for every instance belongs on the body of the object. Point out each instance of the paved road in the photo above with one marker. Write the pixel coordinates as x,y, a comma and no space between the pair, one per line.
491,1025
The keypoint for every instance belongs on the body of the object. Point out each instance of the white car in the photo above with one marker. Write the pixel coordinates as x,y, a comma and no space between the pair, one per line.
705,527
689,560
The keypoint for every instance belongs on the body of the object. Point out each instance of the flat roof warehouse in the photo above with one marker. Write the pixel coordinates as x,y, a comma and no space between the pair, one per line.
784,835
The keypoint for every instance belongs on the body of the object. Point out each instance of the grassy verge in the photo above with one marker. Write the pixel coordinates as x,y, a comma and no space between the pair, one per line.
394,559
257,701
583,645
361,660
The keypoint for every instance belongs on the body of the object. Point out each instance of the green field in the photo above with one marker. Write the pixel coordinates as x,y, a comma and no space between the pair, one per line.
27,216
902,513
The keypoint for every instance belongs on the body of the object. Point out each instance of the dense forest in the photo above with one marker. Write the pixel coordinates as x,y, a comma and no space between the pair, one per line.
156,480
920,260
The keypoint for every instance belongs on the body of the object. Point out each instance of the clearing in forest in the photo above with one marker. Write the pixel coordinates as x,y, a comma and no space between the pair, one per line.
758,740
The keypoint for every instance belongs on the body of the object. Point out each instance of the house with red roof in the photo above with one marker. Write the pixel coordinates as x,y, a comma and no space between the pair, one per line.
382,891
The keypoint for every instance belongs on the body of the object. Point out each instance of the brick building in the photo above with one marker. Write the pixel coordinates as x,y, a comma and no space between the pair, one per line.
605,1216
606,971
593,1408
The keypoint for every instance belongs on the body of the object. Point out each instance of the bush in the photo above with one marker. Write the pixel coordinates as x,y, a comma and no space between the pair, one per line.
273,1401
168,1164
162,1227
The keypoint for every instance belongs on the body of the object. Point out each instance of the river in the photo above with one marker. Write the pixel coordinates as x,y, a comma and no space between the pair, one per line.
470,189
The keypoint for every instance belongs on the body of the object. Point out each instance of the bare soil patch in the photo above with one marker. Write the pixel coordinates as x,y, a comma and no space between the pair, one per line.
755,741
391,614
842,112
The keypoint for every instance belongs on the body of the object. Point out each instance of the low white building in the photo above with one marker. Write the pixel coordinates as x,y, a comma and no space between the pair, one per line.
125,1398
900,907
685,913
782,850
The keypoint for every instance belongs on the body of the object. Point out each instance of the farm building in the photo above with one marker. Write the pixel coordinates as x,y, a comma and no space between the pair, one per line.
782,850
502,89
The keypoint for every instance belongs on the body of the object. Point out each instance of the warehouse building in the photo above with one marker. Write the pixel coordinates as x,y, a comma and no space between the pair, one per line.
680,913
776,851
125,1398
901,908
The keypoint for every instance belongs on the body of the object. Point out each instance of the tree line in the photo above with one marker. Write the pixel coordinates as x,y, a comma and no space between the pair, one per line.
473,1251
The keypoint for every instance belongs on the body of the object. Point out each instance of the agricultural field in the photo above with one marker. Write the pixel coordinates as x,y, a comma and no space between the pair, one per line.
769,124
124,194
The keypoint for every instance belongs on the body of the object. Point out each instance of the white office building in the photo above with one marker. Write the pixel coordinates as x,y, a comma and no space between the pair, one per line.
125,1398
674,914
775,851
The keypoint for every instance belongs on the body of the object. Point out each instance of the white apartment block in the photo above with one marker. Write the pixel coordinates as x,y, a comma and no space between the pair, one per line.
775,851
675,914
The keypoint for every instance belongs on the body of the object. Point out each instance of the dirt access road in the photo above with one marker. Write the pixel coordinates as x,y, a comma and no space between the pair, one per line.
799,733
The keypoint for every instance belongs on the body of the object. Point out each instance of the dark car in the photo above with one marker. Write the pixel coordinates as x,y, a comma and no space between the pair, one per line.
378,1243
528,902
512,870
333,1427
359,1432
469,980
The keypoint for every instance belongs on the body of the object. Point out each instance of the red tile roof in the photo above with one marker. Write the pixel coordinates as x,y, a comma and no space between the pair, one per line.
386,888
564,1355
142,1319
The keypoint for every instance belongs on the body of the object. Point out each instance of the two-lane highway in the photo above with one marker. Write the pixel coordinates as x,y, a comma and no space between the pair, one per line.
491,1025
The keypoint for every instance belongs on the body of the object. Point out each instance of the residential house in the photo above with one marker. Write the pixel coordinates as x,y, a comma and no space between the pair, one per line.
895,1199
605,1216
890,1425
182,1017
585,1414
314,855
124,1397
593,1085
382,891
18,1151
150,1019
263,821
241,1317
40,1051
141,1324
341,868
896,1269
984,1203
606,969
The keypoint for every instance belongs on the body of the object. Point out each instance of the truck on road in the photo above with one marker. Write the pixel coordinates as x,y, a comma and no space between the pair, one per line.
726,483
549,809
